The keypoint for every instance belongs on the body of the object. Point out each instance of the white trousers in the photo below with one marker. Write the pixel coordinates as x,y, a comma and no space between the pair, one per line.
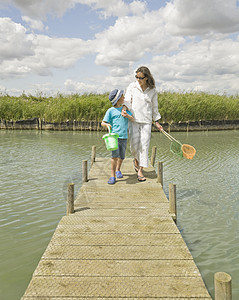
139,138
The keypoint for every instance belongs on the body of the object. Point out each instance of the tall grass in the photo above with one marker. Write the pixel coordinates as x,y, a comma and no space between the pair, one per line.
174,107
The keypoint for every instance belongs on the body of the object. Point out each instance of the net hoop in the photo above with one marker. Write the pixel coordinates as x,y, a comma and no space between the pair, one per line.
188,151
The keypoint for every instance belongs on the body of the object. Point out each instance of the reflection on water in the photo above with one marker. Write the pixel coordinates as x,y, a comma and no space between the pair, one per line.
35,168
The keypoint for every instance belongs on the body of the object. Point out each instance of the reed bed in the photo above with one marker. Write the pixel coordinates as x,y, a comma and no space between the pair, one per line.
174,107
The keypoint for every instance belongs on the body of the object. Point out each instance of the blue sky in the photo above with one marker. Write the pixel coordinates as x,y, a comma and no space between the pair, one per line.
93,46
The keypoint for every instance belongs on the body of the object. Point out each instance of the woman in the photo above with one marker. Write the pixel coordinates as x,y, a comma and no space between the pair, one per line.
142,100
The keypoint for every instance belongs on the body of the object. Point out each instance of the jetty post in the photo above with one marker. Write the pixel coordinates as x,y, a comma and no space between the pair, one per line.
70,199
172,201
160,173
223,287
93,154
84,171
153,156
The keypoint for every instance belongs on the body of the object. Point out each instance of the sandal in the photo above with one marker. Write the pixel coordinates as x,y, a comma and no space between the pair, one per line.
135,167
112,180
141,178
118,174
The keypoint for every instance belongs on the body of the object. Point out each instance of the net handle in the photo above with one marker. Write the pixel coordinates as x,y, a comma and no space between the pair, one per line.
168,136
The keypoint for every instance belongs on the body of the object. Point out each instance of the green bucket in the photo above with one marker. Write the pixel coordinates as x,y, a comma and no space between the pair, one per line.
111,140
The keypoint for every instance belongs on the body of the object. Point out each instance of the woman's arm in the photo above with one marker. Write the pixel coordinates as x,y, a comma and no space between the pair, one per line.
155,112
128,98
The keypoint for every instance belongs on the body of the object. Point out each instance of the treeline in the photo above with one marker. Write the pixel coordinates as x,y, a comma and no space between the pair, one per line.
174,107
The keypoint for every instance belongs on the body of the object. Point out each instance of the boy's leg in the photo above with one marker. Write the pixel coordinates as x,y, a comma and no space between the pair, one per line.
122,143
113,166
112,179
118,172
119,163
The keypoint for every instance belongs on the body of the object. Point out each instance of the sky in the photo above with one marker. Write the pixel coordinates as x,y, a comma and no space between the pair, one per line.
49,47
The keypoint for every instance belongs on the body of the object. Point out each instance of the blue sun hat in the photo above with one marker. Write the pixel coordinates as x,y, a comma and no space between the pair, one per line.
115,95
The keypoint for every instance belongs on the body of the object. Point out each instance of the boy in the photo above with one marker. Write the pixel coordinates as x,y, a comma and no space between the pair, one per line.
117,120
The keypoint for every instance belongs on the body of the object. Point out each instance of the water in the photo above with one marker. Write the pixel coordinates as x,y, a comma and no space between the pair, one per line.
35,168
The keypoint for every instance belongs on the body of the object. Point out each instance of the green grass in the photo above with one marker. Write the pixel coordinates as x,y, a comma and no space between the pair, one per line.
174,107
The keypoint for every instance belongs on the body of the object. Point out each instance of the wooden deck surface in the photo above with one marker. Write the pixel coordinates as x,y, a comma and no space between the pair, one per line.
121,242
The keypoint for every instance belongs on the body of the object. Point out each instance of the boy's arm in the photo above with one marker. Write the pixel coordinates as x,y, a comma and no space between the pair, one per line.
131,118
103,123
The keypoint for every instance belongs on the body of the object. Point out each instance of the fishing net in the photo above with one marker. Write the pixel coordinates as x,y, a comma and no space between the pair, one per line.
176,148
182,150
188,151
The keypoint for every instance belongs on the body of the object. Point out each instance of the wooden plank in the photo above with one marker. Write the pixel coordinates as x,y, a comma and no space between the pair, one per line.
116,252
164,225
162,208
127,212
97,298
110,287
121,268
139,239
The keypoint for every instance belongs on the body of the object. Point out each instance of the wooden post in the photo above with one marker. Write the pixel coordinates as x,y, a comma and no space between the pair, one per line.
153,156
39,124
160,173
84,171
222,284
93,154
172,201
70,199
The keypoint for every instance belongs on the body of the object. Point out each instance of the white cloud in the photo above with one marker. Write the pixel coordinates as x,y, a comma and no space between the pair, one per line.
60,52
206,65
34,24
22,53
2,90
118,8
15,43
81,87
193,17
40,9
186,44
131,38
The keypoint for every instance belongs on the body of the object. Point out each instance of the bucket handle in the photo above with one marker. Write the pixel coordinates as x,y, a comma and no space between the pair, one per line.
109,128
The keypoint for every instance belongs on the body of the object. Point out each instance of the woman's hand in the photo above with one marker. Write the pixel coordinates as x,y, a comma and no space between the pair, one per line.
124,108
124,113
160,128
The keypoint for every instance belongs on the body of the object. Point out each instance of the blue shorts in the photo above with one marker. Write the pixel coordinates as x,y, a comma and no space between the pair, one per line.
120,152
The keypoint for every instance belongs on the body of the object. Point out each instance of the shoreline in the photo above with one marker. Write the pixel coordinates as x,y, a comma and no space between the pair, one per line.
38,124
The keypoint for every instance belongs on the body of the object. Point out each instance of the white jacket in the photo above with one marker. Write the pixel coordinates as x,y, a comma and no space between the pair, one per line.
143,105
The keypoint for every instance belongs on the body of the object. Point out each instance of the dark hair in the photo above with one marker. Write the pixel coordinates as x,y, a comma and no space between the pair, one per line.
147,73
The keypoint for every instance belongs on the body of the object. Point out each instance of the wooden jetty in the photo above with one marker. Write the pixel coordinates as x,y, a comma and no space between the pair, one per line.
120,242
